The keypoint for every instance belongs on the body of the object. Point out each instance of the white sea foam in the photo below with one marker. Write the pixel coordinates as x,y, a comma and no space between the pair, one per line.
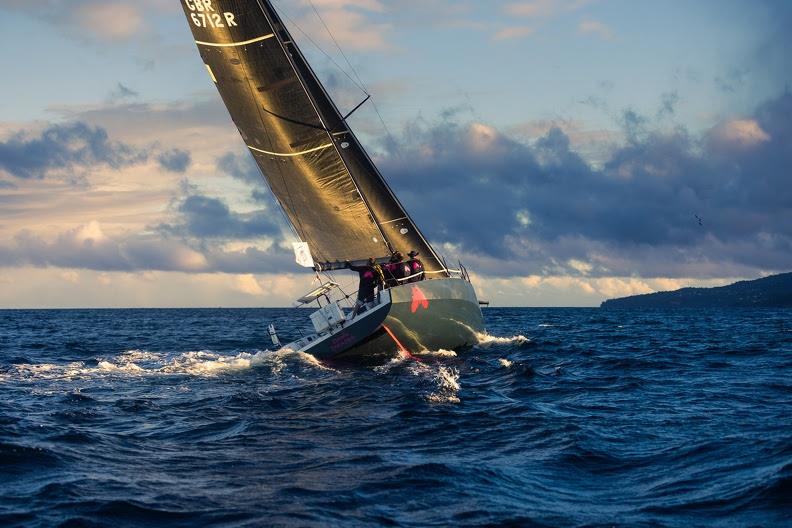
397,360
136,356
505,363
436,354
444,380
490,340
448,386
137,363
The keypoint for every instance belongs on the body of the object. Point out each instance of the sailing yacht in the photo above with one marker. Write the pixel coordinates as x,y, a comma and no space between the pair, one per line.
335,198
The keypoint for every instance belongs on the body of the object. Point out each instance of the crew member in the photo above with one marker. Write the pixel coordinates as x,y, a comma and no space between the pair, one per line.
394,270
416,269
371,276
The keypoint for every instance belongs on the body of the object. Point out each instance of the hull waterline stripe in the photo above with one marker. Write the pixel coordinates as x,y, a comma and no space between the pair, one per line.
235,44
293,154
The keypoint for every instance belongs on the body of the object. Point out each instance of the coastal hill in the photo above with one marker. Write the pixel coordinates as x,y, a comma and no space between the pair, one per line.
771,292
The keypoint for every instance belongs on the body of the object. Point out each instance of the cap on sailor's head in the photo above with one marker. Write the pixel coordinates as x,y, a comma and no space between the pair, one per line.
413,253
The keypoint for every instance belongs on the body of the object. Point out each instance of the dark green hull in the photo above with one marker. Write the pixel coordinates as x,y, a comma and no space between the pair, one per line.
442,314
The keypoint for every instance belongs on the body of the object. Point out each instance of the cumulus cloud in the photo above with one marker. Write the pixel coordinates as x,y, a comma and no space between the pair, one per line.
203,217
175,160
109,20
106,20
88,247
739,133
240,167
516,208
64,147
352,26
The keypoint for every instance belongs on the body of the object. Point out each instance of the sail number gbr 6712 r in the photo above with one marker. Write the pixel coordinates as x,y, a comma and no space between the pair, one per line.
204,15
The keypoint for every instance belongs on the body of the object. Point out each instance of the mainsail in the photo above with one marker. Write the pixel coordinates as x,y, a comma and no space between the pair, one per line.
330,189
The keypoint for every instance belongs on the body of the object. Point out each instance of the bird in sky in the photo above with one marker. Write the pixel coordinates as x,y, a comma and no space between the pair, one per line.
700,220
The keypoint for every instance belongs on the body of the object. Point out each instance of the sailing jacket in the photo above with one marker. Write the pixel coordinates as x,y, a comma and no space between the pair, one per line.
369,279
415,268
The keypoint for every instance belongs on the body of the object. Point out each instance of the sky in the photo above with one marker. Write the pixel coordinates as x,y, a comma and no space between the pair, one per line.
564,150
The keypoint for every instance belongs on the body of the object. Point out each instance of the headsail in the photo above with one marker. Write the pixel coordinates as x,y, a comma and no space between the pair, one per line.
330,189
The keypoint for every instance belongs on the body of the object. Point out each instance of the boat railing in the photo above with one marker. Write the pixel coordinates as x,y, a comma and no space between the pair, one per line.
451,273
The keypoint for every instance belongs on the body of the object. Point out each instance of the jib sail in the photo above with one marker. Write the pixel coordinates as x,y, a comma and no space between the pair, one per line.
317,169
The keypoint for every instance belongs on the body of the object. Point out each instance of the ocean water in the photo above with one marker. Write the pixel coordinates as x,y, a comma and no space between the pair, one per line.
557,418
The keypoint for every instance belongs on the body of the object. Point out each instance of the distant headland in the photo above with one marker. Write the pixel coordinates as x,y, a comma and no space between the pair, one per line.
769,292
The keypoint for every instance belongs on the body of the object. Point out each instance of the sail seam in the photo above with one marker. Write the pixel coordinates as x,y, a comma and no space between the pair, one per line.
235,44
293,154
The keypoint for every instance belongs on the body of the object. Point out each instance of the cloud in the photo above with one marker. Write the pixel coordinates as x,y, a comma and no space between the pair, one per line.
64,147
668,104
175,160
109,20
243,168
122,92
544,8
240,167
596,28
349,21
88,247
540,208
204,217
738,133
248,284
514,32
105,20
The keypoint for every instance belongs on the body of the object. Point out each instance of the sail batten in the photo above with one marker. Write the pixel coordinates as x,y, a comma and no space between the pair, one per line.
291,154
235,44
329,188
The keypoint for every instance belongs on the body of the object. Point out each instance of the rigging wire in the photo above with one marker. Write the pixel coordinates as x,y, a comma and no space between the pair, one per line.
362,85
358,83
327,55
332,37
393,145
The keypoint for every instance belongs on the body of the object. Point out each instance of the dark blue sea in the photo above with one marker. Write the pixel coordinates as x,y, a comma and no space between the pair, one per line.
560,418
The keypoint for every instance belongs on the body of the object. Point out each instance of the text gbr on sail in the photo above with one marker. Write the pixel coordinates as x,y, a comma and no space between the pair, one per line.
204,14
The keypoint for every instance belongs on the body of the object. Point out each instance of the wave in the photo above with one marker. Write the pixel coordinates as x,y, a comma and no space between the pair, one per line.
485,339
15,458
443,380
448,386
436,354
141,363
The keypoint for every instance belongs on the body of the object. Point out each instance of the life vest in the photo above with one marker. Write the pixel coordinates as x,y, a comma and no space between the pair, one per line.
379,275
416,268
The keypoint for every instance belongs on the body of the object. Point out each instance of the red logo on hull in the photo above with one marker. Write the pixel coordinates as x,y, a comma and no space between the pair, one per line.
419,300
